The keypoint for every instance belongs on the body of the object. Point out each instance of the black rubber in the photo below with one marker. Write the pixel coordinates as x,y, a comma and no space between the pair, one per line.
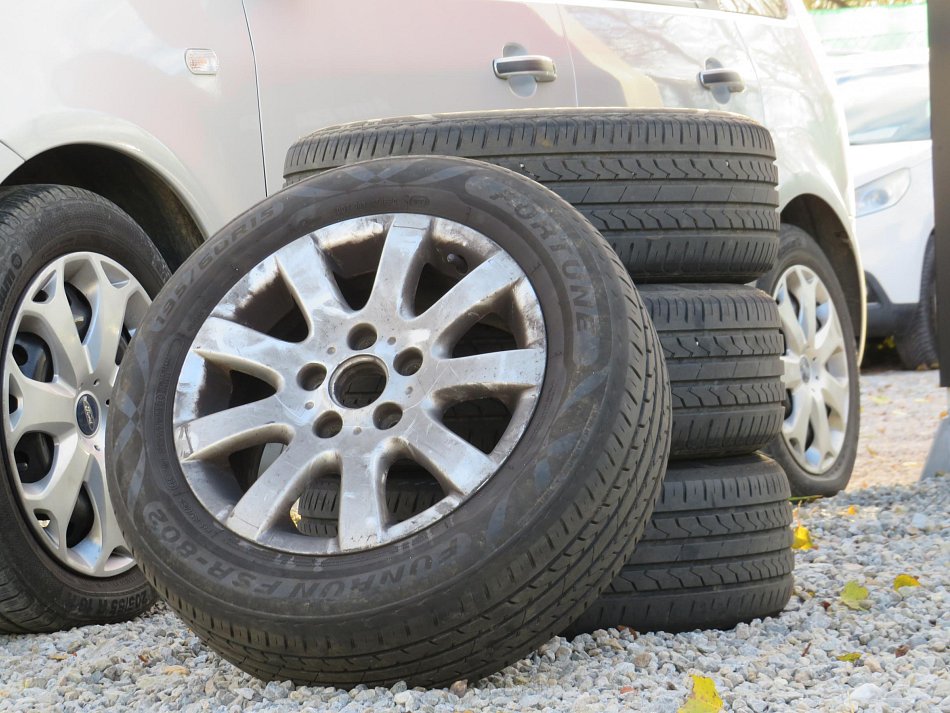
517,561
799,248
917,341
680,195
39,223
723,347
717,552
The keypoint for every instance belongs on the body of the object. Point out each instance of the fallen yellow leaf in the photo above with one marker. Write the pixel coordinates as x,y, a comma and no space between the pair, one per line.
943,414
176,669
58,657
801,540
704,698
905,580
852,510
854,596
851,658
880,400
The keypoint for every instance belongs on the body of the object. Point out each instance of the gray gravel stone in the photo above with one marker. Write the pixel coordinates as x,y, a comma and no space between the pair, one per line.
155,663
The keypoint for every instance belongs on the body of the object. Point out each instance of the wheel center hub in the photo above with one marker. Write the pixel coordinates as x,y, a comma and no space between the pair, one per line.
88,414
806,369
358,381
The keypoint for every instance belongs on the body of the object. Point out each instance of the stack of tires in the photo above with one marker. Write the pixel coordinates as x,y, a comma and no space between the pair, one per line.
688,202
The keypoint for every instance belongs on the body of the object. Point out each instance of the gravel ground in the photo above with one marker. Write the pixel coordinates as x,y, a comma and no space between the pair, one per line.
786,663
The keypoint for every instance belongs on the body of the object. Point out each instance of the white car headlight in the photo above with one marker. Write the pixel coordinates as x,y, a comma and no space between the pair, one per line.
882,193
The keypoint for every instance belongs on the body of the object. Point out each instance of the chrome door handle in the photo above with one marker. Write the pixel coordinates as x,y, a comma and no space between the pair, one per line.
721,77
526,65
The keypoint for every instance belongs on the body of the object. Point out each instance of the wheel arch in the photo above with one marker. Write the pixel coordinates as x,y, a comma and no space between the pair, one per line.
817,218
138,189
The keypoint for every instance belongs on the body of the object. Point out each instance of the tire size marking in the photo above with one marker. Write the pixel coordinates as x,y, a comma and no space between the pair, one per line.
238,578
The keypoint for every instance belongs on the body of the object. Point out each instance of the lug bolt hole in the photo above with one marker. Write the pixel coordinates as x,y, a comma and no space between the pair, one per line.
408,362
311,376
458,262
328,425
362,336
386,416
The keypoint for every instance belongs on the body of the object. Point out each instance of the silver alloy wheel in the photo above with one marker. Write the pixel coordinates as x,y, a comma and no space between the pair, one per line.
59,366
363,386
816,370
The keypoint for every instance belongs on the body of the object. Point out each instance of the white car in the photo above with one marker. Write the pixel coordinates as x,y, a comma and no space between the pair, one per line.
886,100
133,130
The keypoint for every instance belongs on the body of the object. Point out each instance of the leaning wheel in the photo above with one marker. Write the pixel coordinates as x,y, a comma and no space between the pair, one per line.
480,339
819,437
82,273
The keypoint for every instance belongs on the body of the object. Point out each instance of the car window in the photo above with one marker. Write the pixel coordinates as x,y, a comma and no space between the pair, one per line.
887,104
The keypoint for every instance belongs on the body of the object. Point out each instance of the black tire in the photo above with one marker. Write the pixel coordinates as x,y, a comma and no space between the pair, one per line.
798,248
38,224
680,195
717,552
917,343
722,346
516,561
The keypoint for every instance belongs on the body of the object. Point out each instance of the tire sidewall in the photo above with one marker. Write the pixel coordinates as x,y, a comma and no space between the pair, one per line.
75,223
799,248
425,575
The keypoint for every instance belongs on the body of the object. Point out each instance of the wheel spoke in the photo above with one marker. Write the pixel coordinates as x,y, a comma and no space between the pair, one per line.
792,371
110,304
829,340
309,277
239,348
805,293
53,321
48,407
400,265
791,328
471,299
458,465
267,503
363,513
834,391
796,425
485,375
821,429
56,494
106,528
230,430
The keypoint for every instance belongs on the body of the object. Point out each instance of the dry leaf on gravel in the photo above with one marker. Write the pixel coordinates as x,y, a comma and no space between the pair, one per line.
905,580
704,698
854,596
801,539
850,657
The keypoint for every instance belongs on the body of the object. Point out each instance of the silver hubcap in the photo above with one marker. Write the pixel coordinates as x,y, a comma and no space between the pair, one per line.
322,367
67,337
816,370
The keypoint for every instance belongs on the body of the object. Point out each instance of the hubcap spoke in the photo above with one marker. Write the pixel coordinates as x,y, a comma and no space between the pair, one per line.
53,321
834,391
55,496
829,340
796,425
110,304
106,526
48,407
362,520
821,430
